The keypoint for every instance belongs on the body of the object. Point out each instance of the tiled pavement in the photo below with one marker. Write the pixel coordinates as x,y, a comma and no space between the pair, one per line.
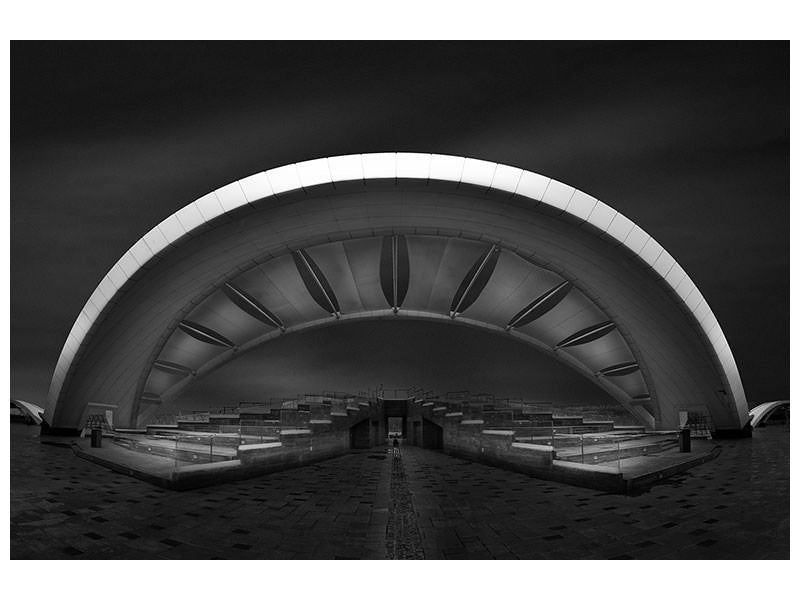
736,506
65,507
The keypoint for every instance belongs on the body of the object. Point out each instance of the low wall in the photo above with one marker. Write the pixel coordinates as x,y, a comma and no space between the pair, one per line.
469,439
496,447
303,437
296,448
185,454
596,477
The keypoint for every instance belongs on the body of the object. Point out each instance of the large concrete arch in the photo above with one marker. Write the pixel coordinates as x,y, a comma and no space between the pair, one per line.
398,235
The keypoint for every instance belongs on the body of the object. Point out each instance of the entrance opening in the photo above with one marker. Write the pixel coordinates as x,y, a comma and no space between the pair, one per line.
395,426
395,414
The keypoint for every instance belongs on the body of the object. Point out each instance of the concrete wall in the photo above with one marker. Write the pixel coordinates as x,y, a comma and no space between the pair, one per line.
296,447
432,435
471,439
303,437
360,434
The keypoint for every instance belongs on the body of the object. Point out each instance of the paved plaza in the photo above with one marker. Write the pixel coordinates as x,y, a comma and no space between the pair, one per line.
372,504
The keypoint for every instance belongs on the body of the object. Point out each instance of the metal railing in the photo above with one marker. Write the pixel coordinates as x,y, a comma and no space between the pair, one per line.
196,448
609,448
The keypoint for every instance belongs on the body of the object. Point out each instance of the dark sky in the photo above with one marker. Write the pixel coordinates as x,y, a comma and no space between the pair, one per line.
689,140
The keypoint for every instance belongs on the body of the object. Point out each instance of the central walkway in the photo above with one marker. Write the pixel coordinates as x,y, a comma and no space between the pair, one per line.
402,532
375,504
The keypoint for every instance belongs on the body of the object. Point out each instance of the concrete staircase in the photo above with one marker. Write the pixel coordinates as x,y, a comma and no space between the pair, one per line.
258,436
259,439
527,426
566,448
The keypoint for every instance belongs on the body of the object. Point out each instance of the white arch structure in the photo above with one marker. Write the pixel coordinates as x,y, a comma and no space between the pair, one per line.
646,333
30,409
762,412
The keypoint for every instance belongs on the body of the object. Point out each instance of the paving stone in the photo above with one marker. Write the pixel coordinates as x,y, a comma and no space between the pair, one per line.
340,509
446,478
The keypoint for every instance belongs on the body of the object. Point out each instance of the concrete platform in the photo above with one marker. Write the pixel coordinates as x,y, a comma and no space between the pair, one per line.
627,467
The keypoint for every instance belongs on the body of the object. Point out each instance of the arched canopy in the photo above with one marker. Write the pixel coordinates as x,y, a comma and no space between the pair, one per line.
398,235
28,408
762,412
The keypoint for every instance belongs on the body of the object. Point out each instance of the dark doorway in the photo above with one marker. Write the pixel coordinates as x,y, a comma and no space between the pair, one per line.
359,435
395,412
396,426
432,435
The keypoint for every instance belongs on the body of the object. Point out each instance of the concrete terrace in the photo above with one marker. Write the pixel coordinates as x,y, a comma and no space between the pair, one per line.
369,504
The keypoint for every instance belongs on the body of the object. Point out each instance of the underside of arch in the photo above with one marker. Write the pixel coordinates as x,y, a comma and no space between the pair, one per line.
485,286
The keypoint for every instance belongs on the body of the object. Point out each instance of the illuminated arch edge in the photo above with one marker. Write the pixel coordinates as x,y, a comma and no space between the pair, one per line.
401,165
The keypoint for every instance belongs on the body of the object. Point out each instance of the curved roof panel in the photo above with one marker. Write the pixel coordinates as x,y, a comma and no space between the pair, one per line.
444,256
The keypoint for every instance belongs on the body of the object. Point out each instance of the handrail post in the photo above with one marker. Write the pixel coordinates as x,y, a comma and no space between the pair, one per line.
211,450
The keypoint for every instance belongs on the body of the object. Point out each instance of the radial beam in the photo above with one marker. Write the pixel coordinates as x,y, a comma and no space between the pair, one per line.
150,398
474,281
641,399
395,270
252,306
584,336
316,283
205,334
543,304
172,368
619,370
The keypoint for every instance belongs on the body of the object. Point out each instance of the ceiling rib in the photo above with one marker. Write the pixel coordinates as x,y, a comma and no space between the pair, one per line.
589,334
173,368
394,270
151,398
542,305
620,369
316,283
474,281
205,334
252,306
